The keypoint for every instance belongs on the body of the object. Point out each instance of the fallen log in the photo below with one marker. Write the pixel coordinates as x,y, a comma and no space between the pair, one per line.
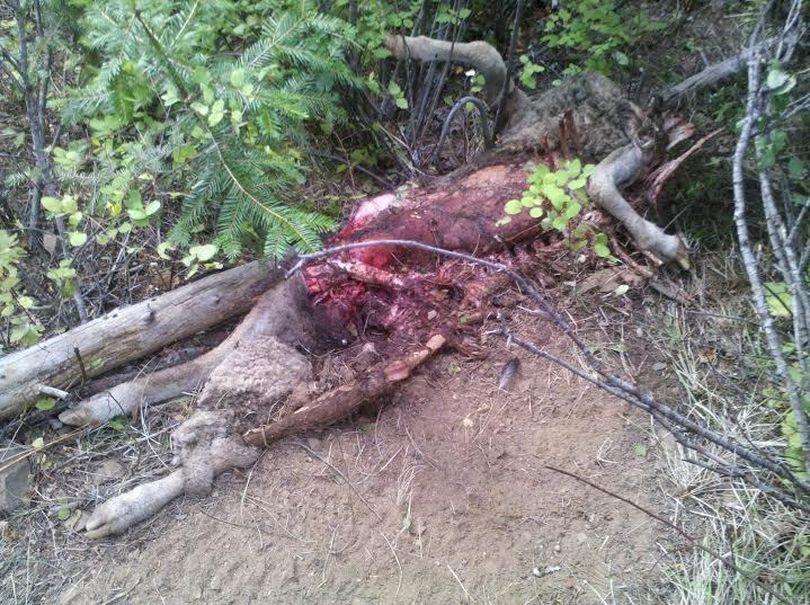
126,334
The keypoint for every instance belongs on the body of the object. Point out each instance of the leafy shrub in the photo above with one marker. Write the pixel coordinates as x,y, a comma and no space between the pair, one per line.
599,30
211,104
556,198
21,327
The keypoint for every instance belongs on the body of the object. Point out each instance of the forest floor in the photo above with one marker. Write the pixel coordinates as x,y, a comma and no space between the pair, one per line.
442,497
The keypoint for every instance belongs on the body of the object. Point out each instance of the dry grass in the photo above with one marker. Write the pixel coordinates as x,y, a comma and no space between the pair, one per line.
71,480
715,356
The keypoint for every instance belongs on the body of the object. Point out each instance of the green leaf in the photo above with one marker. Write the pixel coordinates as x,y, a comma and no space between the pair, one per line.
135,201
795,168
536,212
396,92
539,172
573,168
204,252
513,207
786,87
529,201
117,424
52,204
163,248
77,238
69,204
780,303
555,195
151,208
200,108
578,183
45,404
601,250
572,209
75,218
776,78
238,78
217,113
171,95
63,514
183,153
25,302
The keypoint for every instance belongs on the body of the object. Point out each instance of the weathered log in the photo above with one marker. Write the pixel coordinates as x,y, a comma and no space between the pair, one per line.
128,333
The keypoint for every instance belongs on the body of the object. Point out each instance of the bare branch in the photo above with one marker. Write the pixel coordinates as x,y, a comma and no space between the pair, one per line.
789,260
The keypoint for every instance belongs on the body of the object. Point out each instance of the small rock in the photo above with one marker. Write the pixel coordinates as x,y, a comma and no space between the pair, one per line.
432,314
49,241
215,584
14,479
314,443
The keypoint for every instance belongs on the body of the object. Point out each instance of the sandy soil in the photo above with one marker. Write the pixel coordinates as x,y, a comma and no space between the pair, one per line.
441,496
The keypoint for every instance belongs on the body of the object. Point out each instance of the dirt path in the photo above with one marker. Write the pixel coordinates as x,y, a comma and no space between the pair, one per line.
442,498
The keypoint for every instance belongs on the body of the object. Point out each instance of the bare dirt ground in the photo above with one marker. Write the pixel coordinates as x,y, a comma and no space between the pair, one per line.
441,496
